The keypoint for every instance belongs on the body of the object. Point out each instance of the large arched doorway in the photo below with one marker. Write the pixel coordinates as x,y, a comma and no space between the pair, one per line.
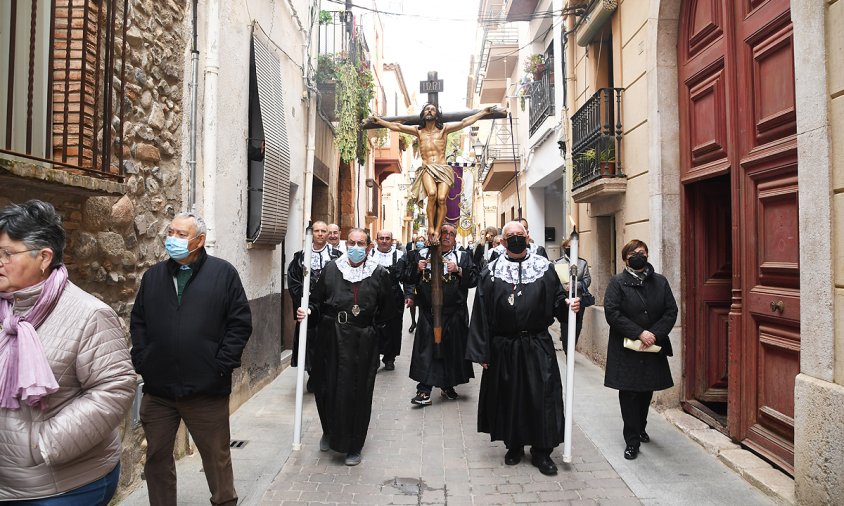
738,158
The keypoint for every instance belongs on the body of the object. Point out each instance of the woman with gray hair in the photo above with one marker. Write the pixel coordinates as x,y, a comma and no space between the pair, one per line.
66,380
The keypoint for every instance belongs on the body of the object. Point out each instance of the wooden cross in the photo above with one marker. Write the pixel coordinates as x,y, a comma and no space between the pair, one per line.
433,87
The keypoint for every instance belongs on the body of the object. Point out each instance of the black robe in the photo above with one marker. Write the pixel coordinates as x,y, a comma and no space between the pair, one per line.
453,369
347,351
521,397
295,278
390,329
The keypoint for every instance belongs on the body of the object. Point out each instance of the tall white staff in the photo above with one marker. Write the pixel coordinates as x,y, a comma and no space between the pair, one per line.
303,338
573,275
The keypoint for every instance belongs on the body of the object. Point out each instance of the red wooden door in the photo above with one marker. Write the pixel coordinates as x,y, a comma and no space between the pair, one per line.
737,115
767,162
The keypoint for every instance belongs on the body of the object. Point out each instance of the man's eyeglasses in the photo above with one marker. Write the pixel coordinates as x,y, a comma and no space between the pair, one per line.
446,232
6,255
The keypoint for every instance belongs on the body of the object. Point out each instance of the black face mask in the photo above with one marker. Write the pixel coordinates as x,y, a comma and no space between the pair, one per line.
516,244
637,261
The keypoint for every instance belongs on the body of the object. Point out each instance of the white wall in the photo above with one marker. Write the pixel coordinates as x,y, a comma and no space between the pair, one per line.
259,269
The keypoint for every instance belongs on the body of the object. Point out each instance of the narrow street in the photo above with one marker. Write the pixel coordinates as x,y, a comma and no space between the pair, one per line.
434,455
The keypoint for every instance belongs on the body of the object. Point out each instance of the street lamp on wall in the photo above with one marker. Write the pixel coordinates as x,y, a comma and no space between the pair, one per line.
478,148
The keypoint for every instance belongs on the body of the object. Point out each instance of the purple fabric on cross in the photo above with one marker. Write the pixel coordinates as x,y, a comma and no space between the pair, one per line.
452,203
25,373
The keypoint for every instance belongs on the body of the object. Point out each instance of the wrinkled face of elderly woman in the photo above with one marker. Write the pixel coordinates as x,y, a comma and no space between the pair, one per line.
21,266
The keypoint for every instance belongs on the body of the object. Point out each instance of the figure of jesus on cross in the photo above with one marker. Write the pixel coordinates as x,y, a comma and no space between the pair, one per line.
435,178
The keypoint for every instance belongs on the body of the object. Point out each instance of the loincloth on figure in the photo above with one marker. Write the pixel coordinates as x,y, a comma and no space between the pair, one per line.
440,172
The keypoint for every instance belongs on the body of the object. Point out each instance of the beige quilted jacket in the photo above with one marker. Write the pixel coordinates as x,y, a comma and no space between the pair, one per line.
75,440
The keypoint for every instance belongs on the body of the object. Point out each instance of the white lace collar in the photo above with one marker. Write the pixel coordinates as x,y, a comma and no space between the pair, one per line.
385,259
355,274
532,268
320,257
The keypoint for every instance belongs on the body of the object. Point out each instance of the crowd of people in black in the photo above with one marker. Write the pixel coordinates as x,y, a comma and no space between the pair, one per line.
519,293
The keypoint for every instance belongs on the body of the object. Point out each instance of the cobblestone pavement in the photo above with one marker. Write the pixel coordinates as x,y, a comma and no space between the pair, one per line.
434,455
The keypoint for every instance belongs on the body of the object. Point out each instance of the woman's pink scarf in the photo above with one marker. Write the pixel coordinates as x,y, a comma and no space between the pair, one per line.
25,373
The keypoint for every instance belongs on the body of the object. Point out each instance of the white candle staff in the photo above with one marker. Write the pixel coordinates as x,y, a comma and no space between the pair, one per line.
307,250
569,401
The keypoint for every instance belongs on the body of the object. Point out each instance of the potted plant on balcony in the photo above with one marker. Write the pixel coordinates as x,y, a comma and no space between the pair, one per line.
604,159
535,66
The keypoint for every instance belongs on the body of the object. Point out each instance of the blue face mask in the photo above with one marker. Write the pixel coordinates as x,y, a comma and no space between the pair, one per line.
176,247
356,254
420,244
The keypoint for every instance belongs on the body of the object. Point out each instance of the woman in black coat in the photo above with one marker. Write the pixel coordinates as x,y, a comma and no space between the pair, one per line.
638,305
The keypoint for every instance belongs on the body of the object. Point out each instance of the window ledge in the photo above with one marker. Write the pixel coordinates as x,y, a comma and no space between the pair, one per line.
40,173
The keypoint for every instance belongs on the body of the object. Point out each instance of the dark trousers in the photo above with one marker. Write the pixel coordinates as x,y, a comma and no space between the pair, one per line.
207,419
634,413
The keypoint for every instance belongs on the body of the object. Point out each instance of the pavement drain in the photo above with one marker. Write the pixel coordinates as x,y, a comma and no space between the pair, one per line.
407,486
238,443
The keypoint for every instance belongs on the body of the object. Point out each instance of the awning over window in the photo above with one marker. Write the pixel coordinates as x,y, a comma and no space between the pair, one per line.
275,184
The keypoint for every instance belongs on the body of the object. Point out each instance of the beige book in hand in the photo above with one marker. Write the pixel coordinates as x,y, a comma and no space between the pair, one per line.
635,345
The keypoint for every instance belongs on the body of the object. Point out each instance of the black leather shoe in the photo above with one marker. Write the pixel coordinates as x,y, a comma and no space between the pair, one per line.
514,456
390,366
545,465
644,437
631,452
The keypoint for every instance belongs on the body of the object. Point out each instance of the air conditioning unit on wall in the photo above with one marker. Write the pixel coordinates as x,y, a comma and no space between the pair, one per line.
597,16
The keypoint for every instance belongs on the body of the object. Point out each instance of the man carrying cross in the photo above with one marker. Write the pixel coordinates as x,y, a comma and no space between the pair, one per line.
435,177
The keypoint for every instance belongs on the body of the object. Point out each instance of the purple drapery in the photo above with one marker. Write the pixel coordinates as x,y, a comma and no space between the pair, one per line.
452,204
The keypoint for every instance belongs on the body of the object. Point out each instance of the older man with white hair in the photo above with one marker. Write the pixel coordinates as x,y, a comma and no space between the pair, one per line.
189,325
521,397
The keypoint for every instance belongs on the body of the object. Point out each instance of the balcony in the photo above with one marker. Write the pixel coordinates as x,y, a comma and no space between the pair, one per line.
542,97
387,151
497,56
500,159
63,90
337,37
596,147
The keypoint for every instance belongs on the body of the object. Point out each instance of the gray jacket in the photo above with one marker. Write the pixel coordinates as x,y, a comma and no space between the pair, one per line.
74,441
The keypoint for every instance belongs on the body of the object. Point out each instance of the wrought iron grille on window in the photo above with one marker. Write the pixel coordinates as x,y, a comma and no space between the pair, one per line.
596,138
63,83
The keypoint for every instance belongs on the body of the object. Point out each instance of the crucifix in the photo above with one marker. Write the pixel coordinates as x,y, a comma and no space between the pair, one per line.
434,178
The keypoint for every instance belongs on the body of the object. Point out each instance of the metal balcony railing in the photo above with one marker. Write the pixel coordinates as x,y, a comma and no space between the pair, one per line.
541,98
63,83
596,138
500,145
497,32
334,36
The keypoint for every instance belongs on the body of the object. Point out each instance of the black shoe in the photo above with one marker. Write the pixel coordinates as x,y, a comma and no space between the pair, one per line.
421,399
353,458
514,456
324,443
412,327
631,452
545,464
644,437
390,366
449,393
